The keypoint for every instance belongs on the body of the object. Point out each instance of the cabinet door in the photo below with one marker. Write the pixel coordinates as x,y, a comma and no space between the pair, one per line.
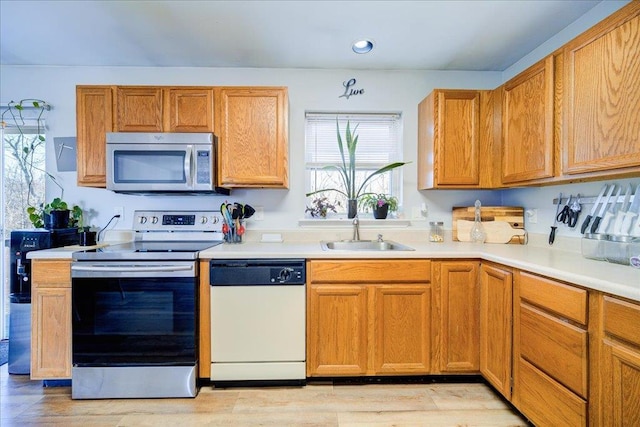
336,330
139,109
189,110
94,118
401,329
621,384
449,139
495,327
252,129
602,74
51,319
457,310
528,126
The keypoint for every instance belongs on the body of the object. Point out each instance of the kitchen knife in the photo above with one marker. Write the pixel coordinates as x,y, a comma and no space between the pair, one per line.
598,218
552,235
611,212
617,224
585,224
631,214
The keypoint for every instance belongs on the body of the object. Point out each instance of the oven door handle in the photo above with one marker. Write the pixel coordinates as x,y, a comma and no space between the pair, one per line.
132,268
133,271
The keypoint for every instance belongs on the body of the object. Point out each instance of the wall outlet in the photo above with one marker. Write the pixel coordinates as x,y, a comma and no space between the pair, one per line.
532,216
259,215
119,210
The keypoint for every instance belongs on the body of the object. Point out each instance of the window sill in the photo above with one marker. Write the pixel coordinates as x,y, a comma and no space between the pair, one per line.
348,223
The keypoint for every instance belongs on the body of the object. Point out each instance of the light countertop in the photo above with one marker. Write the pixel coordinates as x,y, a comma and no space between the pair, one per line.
561,262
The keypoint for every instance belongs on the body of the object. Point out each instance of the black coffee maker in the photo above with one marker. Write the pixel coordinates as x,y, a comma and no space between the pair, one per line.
23,242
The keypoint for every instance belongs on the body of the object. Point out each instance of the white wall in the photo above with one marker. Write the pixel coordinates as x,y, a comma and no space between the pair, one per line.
309,90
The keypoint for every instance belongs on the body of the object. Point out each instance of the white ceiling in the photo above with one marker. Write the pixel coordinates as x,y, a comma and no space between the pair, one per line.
433,35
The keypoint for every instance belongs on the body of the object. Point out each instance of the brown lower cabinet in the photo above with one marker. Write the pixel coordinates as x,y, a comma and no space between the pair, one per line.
368,317
574,354
455,314
550,351
617,394
495,326
50,319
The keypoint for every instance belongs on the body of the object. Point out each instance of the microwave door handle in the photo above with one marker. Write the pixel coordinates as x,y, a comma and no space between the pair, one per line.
188,166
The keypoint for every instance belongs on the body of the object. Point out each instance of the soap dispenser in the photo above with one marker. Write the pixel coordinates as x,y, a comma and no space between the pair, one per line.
477,233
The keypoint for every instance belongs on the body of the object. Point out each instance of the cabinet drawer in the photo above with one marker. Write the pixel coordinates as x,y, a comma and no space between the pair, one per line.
48,273
622,319
565,300
378,271
556,347
547,403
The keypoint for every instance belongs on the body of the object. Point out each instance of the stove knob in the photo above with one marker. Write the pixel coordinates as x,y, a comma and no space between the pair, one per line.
215,219
203,220
154,220
142,220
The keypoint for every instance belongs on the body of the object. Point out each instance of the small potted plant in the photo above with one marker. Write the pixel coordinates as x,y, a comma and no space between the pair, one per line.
320,207
54,215
380,204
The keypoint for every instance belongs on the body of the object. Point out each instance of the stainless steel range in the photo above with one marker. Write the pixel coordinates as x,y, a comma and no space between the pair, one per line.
134,308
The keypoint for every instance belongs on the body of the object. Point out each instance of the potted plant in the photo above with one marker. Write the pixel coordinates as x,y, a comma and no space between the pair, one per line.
380,204
320,207
350,189
55,214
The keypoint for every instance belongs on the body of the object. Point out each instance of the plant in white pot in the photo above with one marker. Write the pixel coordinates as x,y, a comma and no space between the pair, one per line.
351,189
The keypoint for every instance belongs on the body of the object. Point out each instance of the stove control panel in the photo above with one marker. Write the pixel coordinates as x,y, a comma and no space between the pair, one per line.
177,221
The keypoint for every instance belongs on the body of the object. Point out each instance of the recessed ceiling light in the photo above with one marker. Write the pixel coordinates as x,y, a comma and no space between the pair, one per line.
362,46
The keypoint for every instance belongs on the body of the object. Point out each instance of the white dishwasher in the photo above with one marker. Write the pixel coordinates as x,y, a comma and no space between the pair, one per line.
258,321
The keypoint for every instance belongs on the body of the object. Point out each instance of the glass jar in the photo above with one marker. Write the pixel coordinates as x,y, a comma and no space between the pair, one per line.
436,232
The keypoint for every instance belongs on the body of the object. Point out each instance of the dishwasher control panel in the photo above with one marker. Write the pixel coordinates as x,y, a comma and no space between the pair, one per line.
257,272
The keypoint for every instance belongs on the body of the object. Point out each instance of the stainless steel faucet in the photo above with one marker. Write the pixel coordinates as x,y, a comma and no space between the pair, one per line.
356,228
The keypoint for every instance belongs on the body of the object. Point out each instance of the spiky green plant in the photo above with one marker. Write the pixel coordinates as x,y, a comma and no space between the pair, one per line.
347,169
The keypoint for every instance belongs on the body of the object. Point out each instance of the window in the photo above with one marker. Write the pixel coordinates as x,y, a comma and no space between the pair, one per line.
379,143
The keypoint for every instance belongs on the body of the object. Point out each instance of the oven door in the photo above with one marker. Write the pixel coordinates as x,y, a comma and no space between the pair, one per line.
134,314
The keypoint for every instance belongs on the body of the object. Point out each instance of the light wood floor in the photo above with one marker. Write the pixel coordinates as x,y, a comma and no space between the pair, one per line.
26,403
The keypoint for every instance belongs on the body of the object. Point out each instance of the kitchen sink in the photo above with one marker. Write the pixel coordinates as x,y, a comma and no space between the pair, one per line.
363,245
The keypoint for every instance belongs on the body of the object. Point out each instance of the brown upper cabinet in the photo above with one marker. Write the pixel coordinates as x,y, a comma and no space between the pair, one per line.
164,109
252,136
456,139
573,116
94,118
602,97
251,125
527,125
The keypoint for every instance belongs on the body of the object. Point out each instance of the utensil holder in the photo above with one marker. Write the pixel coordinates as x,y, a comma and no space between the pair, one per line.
620,249
593,246
234,232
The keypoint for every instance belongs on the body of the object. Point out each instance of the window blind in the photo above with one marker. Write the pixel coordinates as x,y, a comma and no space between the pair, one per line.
378,139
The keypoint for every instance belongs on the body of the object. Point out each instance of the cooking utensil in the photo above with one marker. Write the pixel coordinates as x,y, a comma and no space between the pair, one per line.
611,213
585,224
635,208
598,218
497,232
617,224
247,211
552,235
631,214
569,214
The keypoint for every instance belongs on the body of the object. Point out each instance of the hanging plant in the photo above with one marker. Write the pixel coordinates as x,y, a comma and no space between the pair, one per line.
25,145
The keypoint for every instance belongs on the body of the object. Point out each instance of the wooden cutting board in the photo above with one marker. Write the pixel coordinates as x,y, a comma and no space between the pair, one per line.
503,224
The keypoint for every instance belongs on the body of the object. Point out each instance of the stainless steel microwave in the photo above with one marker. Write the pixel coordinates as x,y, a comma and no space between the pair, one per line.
161,162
